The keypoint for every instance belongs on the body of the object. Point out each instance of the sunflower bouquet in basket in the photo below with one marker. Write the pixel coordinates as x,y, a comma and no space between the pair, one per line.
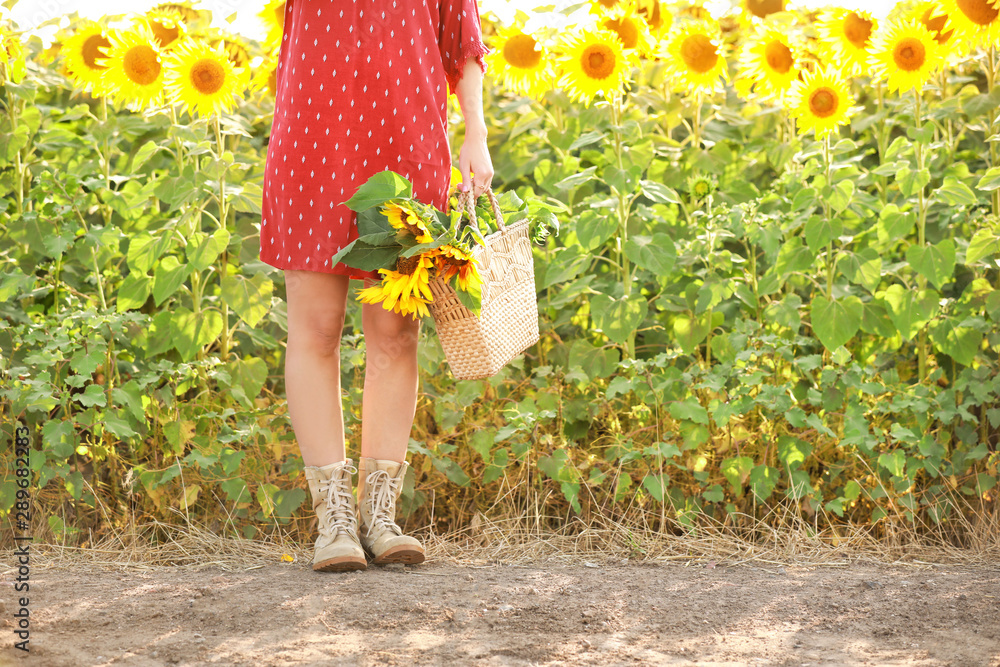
411,244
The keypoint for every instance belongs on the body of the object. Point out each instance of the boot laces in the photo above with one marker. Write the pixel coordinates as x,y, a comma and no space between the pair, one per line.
337,503
382,492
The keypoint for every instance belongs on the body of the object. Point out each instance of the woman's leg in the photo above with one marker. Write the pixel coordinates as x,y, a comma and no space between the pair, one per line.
317,303
390,397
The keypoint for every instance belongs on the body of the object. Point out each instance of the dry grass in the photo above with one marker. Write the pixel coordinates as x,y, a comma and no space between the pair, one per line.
509,539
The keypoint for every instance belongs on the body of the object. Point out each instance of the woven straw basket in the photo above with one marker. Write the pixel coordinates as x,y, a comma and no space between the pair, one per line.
478,347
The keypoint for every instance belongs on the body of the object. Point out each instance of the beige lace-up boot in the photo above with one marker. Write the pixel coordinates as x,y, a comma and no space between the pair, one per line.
379,485
337,546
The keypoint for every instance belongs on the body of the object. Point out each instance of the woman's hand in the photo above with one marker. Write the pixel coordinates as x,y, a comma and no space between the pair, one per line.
475,157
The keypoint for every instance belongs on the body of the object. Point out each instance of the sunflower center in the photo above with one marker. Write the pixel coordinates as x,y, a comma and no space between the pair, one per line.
823,102
90,50
520,52
980,12
608,3
207,76
626,29
857,29
699,53
762,8
597,61
164,34
141,64
407,265
779,57
909,54
935,25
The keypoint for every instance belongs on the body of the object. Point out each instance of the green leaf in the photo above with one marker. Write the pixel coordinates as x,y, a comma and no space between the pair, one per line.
170,274
133,292
654,253
656,485
990,180
955,193
736,470
689,410
93,395
984,243
820,231
378,189
576,179
958,342
594,227
146,151
12,142
190,331
373,221
116,422
287,501
895,462
792,451
203,249
910,309
144,249
689,331
250,298
911,182
59,438
618,318
862,268
934,262
894,224
362,256
835,321
841,196
659,192
247,378
763,480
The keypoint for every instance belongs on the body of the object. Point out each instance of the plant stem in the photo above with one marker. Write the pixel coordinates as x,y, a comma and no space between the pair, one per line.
921,236
623,216
991,76
827,162
697,121
223,223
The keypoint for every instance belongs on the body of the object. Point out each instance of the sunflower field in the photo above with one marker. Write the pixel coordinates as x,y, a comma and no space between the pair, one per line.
772,296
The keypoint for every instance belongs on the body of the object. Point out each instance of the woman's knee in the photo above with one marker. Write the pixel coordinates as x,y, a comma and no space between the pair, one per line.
316,314
388,331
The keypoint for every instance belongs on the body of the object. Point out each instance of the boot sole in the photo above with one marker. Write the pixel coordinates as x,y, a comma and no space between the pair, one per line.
341,564
401,554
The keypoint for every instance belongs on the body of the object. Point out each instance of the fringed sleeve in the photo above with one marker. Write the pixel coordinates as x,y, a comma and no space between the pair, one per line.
460,38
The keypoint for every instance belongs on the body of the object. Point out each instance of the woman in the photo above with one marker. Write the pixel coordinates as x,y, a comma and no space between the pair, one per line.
362,87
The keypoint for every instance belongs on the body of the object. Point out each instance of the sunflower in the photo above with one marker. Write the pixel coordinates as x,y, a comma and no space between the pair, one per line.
695,56
769,61
185,12
82,51
934,19
820,101
975,22
520,63
134,74
456,180
265,75
402,217
12,56
202,79
631,30
845,38
695,9
405,291
752,12
450,260
233,45
594,62
273,16
166,26
905,54
657,16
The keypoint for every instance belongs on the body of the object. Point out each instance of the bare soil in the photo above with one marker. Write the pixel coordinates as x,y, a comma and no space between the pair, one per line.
440,613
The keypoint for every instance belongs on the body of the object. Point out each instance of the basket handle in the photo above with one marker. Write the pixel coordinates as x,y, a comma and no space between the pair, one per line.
466,202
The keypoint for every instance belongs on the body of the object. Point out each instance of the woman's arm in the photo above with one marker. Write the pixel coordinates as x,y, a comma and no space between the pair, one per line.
474,155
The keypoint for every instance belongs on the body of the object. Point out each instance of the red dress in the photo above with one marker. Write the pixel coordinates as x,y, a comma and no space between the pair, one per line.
362,86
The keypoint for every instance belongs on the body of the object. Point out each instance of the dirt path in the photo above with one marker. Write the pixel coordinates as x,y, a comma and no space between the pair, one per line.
443,614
